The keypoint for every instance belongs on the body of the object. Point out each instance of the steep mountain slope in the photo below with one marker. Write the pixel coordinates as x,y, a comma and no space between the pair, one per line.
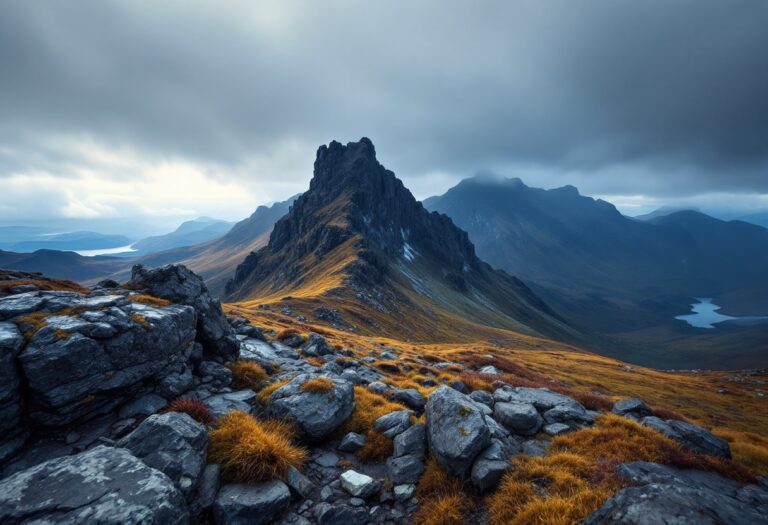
359,240
216,260
610,273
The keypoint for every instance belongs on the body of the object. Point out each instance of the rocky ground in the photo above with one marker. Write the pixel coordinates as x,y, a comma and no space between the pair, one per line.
86,379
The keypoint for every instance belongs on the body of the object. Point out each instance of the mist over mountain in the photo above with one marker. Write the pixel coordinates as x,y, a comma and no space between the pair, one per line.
610,273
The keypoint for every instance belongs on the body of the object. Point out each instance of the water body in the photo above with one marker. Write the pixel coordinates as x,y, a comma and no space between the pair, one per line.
105,251
705,314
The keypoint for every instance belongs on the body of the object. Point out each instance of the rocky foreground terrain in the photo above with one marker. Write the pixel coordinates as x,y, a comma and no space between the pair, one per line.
144,403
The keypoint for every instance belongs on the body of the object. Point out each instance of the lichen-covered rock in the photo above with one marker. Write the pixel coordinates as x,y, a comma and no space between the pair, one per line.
178,284
456,429
252,504
316,414
174,444
13,429
86,355
102,485
685,497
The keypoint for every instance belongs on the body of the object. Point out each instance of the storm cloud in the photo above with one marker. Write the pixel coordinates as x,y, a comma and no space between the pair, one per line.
657,100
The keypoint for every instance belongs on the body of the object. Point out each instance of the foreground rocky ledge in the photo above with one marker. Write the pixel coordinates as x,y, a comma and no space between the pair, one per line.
85,376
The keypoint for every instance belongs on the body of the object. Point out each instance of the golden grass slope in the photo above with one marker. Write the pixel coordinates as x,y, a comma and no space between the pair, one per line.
731,404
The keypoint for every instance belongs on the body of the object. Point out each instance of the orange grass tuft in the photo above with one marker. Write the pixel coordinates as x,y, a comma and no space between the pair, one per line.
150,300
247,374
267,390
318,385
250,450
194,408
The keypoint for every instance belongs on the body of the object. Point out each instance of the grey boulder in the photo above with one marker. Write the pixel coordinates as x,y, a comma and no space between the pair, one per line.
518,418
352,442
682,497
172,443
405,469
178,284
251,504
412,441
456,429
633,407
316,414
411,398
393,423
102,485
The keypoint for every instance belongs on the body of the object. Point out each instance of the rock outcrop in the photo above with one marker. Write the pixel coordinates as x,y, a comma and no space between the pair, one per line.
685,497
102,485
178,284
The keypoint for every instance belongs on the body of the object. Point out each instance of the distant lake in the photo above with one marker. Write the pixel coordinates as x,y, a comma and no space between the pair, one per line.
705,314
105,251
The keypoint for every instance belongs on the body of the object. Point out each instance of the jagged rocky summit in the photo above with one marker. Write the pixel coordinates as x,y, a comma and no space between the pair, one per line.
358,222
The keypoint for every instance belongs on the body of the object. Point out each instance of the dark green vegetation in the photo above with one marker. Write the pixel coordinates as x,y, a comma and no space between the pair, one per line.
623,277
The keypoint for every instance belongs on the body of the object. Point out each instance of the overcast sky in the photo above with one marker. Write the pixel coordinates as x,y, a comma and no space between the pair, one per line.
159,110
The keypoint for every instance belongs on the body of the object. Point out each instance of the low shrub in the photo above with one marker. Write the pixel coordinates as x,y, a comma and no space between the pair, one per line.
250,450
194,408
247,374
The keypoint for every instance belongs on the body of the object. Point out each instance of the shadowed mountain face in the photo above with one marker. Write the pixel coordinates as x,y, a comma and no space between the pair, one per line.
610,273
358,234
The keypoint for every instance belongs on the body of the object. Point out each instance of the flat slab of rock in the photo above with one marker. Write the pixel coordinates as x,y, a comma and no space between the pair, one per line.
251,504
685,497
101,485
456,429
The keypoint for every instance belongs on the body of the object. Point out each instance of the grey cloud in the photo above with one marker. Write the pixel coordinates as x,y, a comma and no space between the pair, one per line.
673,90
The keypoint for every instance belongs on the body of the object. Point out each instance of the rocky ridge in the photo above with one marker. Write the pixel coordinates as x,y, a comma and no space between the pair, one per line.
95,434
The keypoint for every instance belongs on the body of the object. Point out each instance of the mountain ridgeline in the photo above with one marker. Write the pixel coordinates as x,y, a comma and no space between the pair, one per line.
616,275
359,234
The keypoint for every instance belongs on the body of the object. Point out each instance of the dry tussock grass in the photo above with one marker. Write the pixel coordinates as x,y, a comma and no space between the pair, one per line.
748,448
368,408
618,439
552,490
318,385
194,408
247,374
45,284
443,501
250,450
267,390
149,300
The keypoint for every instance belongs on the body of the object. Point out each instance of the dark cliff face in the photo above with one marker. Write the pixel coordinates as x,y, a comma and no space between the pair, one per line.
353,195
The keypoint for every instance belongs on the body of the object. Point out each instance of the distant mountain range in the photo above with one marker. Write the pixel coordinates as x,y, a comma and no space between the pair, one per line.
28,239
189,233
607,272
357,239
